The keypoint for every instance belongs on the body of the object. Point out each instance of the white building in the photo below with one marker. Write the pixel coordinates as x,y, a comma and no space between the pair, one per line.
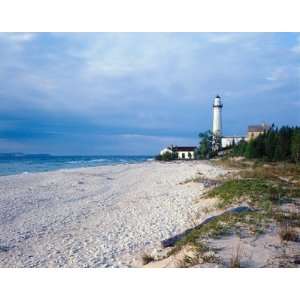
230,140
185,152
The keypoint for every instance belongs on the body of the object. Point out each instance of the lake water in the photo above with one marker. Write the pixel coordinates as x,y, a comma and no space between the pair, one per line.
16,164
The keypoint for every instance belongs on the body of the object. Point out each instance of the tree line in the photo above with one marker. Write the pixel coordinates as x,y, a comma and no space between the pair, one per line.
276,144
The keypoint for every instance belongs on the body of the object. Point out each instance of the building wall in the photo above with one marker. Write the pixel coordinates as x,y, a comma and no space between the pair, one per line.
253,134
185,154
228,141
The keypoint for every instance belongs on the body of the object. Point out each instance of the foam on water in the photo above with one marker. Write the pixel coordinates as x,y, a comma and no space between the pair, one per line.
25,164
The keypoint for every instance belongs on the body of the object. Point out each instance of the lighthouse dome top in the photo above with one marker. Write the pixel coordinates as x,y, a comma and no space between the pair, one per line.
217,101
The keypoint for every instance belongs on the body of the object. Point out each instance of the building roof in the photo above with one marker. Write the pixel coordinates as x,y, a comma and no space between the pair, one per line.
258,128
185,148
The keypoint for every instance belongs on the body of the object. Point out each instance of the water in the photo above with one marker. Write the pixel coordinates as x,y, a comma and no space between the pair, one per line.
17,164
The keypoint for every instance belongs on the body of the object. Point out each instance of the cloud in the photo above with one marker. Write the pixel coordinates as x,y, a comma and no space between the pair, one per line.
225,38
15,42
20,37
279,74
296,47
140,85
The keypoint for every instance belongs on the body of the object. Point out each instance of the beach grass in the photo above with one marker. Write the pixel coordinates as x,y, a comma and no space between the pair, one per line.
264,187
147,258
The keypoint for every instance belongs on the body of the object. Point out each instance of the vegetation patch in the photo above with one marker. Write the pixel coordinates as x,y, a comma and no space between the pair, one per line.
255,190
263,185
167,156
225,224
235,260
288,233
146,258
198,178
233,163
293,219
189,261
210,257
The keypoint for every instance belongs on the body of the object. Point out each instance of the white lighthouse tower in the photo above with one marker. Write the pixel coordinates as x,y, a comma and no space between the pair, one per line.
217,117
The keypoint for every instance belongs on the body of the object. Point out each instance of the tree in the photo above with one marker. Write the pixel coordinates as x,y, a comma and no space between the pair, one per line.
270,144
205,150
250,150
239,149
282,150
295,145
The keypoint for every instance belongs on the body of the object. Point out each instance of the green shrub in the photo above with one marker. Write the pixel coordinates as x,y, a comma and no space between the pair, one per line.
167,156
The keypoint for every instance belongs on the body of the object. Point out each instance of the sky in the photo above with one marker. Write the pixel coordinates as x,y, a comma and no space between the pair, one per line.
135,93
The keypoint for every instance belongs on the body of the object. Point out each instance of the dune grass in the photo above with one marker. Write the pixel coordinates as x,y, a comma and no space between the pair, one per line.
264,187
252,189
288,233
146,258
224,224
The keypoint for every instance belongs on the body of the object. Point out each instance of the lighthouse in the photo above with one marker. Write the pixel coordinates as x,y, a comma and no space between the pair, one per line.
217,117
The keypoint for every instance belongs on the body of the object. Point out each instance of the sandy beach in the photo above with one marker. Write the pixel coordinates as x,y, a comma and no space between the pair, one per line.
96,217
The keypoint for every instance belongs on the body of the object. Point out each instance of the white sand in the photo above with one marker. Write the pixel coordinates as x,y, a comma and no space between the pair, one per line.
95,217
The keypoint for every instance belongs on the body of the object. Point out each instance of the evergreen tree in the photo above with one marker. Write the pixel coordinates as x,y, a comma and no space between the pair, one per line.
250,150
270,144
295,145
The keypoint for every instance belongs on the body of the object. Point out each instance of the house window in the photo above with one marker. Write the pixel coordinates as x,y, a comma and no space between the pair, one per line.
183,155
190,155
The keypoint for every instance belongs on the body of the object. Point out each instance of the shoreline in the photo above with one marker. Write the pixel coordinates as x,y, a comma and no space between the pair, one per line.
98,216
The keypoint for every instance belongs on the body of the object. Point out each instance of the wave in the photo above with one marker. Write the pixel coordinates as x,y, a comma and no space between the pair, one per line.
99,160
75,162
87,161
27,165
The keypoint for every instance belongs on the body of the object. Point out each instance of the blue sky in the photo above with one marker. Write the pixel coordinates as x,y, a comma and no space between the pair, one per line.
133,93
